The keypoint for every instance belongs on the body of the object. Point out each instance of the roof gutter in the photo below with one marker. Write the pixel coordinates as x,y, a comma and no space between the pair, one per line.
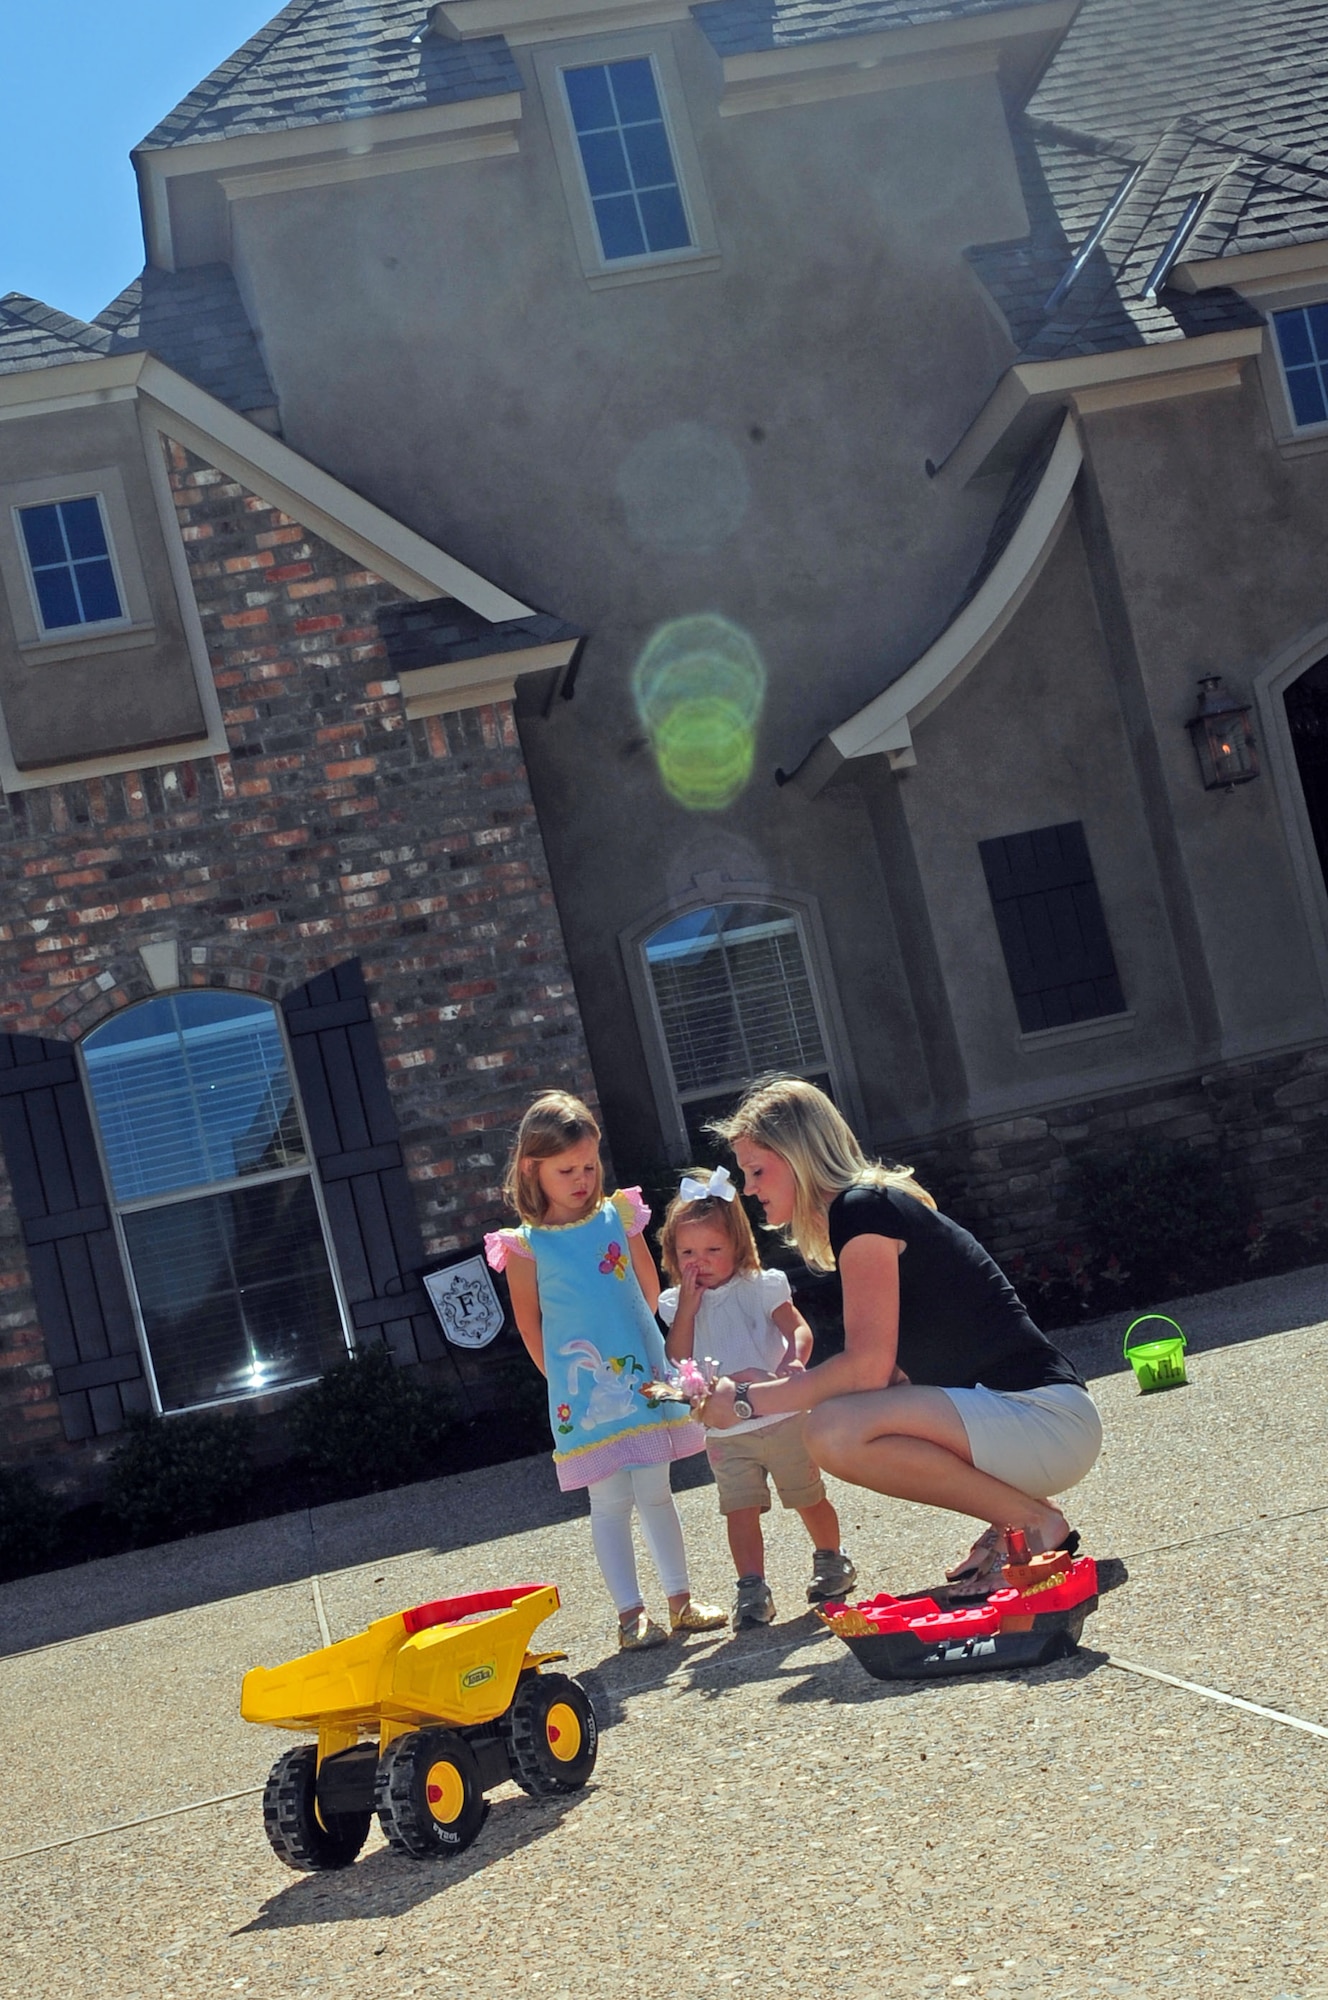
1003,430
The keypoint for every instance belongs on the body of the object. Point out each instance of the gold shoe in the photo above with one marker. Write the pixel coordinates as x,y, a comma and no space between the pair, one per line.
641,1634
696,1617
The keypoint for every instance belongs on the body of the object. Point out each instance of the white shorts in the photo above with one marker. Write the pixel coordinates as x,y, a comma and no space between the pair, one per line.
1038,1440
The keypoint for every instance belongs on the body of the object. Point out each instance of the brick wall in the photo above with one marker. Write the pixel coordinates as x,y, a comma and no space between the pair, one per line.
334,828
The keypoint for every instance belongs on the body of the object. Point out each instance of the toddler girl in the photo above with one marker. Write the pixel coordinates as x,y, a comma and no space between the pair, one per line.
584,1289
725,1311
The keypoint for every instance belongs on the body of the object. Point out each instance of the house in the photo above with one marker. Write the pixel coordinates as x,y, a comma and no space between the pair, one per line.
892,439
279,953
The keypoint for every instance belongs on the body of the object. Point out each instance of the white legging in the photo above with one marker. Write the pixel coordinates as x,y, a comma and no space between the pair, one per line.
611,1502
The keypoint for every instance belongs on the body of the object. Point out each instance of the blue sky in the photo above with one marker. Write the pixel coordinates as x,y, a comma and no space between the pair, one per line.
81,82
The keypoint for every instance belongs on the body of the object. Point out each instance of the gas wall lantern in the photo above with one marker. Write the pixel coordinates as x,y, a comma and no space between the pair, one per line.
1222,737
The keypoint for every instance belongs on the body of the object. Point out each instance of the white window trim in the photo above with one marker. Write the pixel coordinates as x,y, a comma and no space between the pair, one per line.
118,1209
134,626
1293,438
811,935
702,254
1270,685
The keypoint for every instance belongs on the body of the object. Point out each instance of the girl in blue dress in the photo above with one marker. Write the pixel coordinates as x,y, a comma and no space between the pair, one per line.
584,1290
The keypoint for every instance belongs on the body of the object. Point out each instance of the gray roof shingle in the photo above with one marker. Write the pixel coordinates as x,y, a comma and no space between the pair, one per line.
192,320
34,335
1219,97
323,61
443,631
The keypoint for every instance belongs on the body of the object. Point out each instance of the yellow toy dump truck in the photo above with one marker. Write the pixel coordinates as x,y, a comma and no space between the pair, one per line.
417,1717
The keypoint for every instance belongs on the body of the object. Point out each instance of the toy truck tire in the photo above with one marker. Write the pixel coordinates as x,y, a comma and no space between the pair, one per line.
428,1794
298,1836
552,1736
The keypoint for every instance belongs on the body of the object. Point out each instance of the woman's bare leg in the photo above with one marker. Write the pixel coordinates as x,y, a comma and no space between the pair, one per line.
911,1443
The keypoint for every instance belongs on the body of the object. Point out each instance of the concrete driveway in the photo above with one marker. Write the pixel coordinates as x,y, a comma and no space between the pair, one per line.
764,1818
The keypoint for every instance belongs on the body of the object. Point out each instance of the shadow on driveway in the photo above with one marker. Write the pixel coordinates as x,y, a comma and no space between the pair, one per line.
384,1884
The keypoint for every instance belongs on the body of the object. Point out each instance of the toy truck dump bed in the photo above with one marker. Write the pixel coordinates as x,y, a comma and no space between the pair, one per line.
416,1718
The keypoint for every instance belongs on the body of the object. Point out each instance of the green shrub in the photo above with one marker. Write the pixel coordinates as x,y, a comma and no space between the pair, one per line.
369,1425
519,1396
1169,1214
29,1525
181,1475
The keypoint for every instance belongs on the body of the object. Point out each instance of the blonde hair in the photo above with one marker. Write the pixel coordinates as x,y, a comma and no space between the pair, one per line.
730,1216
791,1117
554,1123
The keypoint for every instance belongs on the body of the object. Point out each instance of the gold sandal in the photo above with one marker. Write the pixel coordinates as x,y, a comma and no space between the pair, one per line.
698,1618
641,1634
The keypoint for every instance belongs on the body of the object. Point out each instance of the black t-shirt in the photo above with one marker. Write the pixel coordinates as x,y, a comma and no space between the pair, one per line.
961,1322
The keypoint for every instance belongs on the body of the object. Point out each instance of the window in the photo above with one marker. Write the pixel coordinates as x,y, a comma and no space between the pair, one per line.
735,999
69,560
627,159
213,1189
1302,343
1052,930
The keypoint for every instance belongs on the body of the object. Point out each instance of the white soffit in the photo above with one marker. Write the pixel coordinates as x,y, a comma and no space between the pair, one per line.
522,21
319,153
884,726
313,497
1257,271
1000,435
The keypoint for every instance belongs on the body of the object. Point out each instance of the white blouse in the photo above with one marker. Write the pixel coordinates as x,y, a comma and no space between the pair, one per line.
735,1328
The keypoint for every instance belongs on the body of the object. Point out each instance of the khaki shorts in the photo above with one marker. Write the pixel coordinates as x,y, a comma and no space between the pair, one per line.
741,1462
1041,1441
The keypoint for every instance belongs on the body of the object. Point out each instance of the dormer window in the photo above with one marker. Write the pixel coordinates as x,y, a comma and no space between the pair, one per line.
627,158
69,560
1302,345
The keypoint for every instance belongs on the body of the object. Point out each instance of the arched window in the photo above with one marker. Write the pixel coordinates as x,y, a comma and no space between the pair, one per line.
734,996
214,1194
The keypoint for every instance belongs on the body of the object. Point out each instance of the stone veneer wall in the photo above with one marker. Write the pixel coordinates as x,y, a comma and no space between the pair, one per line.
1010,1180
335,828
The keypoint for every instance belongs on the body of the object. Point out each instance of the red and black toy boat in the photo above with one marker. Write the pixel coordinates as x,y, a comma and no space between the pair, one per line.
916,1639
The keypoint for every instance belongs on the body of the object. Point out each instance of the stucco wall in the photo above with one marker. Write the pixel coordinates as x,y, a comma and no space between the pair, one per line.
1218,539
749,440
59,709
1034,737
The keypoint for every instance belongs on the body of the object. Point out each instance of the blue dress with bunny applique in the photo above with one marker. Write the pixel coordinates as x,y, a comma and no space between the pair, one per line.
600,1343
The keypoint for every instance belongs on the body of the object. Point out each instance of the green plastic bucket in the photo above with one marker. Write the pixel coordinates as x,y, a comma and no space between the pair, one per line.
1158,1364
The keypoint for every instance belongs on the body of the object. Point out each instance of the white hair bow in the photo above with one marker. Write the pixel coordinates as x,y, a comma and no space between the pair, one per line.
719,1187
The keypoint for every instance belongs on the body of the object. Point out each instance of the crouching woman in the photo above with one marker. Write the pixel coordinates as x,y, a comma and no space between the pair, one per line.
946,1392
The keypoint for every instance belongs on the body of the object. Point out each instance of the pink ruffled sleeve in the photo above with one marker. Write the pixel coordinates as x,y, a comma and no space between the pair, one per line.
500,1244
632,1209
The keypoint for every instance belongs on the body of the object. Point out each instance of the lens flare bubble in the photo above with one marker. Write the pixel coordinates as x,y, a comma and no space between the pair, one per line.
705,750
699,685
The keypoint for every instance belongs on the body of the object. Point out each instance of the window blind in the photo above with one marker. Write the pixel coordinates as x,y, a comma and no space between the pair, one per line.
734,998
194,1102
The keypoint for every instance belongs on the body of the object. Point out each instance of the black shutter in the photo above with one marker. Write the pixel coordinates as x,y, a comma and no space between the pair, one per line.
1052,930
368,1195
78,1280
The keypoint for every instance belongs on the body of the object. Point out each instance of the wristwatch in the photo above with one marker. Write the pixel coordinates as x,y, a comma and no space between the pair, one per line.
742,1403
